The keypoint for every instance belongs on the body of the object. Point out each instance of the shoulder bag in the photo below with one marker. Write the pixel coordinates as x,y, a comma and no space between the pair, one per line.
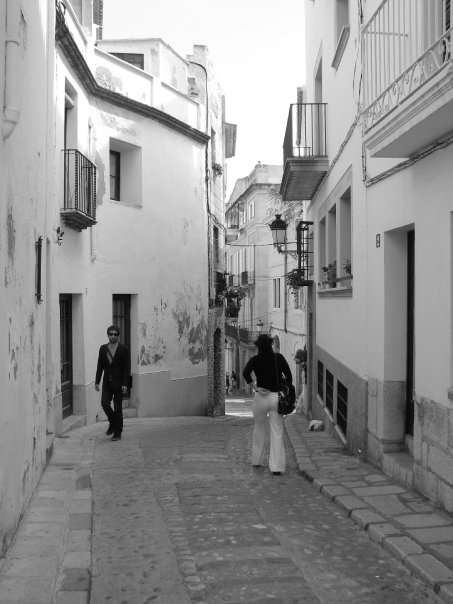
286,393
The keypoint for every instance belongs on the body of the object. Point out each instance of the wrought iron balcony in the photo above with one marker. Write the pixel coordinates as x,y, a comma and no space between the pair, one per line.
246,336
408,83
304,151
247,277
79,210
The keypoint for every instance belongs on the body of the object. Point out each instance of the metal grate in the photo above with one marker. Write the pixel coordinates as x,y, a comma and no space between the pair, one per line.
342,407
329,391
321,380
79,183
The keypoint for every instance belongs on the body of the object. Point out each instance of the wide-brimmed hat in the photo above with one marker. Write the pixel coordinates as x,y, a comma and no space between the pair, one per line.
263,340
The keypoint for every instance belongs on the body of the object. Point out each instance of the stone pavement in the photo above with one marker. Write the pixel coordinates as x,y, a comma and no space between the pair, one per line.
403,522
179,495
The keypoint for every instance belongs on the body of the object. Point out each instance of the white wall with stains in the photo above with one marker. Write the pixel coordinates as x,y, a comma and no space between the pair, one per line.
151,244
25,191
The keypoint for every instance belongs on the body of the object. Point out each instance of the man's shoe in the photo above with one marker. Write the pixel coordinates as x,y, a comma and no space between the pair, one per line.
109,431
277,473
116,437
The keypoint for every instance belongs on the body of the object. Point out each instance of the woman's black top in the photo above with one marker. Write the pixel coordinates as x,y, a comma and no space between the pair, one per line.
263,365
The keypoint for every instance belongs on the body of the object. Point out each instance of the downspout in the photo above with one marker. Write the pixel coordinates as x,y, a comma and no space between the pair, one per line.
206,164
12,60
285,291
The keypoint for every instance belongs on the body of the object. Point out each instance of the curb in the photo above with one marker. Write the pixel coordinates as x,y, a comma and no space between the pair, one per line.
411,554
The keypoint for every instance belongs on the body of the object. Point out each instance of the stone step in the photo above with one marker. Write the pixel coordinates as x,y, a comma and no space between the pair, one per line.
72,422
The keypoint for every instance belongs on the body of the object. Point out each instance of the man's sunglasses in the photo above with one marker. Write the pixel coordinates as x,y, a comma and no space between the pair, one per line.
113,333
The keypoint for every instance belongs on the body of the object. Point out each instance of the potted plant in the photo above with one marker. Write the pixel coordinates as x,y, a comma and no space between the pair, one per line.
293,279
330,272
346,279
217,168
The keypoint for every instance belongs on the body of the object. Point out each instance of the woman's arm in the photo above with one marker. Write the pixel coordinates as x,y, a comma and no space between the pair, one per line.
285,369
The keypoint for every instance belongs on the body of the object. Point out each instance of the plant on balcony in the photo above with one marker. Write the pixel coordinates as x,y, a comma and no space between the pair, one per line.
301,356
330,272
232,310
239,292
217,168
294,279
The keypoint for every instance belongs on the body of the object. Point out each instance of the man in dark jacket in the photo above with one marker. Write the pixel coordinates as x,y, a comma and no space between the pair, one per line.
114,363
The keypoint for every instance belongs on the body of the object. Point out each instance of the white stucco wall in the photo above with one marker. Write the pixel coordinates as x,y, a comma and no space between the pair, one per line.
24,194
151,244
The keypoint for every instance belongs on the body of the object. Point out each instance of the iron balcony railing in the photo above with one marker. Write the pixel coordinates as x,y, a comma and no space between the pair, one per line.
305,134
404,44
79,183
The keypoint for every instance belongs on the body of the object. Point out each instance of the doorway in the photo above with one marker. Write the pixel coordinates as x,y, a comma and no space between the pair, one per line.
66,357
121,317
410,341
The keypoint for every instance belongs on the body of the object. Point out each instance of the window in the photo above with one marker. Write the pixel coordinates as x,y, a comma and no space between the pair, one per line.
276,296
213,147
342,407
251,210
329,391
335,238
135,59
125,172
341,30
216,244
121,317
321,380
298,298
115,175
70,117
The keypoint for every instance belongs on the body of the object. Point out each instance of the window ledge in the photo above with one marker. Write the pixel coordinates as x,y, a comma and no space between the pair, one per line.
341,45
335,292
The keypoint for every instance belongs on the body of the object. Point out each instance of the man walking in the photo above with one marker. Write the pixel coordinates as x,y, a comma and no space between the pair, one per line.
114,363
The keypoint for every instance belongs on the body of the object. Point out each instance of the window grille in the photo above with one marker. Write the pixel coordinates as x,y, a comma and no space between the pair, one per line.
342,407
321,380
329,391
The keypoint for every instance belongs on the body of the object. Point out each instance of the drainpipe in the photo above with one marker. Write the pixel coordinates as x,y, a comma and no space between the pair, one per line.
206,168
12,60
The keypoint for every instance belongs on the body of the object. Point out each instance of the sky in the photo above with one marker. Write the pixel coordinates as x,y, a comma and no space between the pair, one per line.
257,51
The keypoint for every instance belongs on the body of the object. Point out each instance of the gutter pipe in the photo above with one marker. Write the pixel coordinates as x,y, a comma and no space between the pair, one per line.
12,59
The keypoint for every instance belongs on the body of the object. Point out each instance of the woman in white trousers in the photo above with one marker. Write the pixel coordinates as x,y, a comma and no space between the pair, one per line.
267,367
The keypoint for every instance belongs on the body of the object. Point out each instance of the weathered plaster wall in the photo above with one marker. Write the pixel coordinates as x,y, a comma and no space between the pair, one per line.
163,263
24,194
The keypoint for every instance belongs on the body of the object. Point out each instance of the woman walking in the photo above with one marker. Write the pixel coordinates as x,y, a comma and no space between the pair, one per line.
268,368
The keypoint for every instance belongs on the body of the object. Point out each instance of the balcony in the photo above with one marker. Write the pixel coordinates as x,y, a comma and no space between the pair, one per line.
79,210
304,151
408,76
247,277
246,336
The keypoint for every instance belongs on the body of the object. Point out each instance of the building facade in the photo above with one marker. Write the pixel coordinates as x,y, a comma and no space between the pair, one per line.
369,147
258,273
112,161
26,191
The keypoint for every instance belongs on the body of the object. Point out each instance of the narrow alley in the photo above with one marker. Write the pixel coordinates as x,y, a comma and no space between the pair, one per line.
175,513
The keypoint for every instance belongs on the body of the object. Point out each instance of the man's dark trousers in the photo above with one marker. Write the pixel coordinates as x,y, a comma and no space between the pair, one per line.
115,415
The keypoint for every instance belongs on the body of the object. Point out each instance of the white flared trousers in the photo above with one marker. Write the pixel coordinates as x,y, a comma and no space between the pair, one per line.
262,406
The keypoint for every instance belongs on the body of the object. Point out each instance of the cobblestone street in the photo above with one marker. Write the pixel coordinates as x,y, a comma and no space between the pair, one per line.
174,513
180,515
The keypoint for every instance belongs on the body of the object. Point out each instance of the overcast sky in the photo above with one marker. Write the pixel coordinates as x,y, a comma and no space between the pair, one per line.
257,50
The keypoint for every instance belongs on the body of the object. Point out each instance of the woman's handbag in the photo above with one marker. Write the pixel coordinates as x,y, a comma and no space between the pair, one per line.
286,397
286,393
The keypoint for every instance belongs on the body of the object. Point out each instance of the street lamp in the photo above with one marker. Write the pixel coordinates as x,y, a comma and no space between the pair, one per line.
278,229
302,251
259,326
